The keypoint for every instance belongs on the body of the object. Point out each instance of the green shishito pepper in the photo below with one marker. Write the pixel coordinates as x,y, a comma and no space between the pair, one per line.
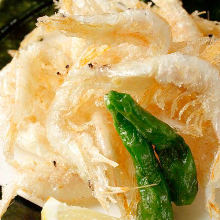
175,158
155,200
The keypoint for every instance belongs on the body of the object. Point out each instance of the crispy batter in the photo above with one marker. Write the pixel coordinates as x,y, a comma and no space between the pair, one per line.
56,137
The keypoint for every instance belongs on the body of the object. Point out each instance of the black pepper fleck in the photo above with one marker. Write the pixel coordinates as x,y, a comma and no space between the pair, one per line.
90,65
58,73
67,66
90,185
55,163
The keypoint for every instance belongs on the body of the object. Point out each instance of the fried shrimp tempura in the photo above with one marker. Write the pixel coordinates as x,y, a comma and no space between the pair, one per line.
58,139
